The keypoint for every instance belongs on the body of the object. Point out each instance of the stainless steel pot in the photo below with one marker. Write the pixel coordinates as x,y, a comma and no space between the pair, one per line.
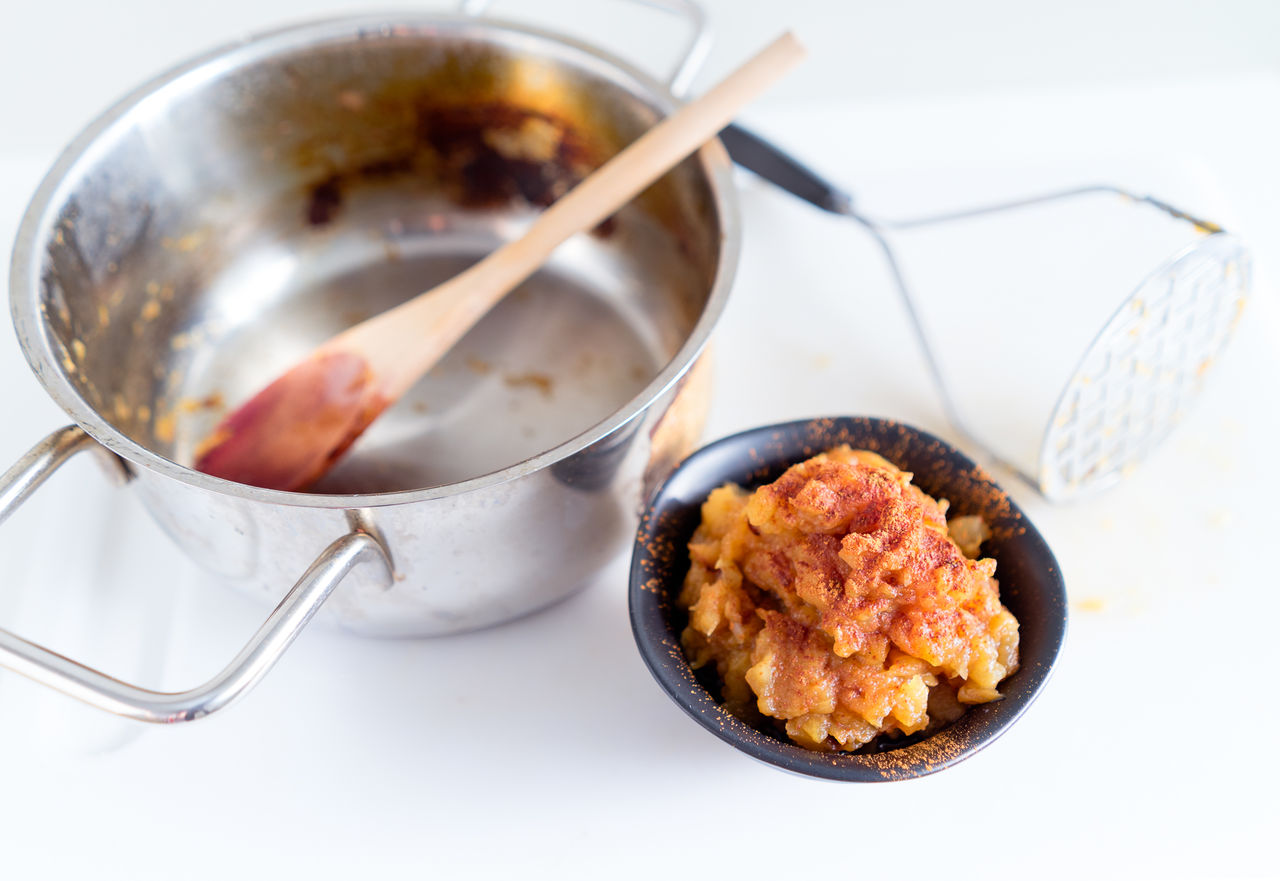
226,217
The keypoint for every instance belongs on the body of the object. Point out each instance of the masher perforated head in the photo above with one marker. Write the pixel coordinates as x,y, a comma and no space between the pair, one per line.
1134,383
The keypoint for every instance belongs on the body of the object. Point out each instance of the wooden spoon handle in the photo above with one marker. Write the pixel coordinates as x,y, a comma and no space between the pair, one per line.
403,343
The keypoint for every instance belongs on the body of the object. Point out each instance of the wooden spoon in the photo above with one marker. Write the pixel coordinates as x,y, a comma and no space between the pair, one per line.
290,433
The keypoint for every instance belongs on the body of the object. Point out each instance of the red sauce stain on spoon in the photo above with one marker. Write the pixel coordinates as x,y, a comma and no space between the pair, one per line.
289,434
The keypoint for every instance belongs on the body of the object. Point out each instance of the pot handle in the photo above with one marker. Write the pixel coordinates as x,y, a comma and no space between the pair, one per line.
696,49
245,670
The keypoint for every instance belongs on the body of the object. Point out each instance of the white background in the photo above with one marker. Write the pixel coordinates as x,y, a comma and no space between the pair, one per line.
542,748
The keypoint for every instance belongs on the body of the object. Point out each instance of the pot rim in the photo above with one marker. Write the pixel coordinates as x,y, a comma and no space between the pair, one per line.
29,244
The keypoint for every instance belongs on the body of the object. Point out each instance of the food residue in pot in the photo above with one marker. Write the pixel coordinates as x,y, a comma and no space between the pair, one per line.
484,154
540,381
835,604
352,99
185,244
212,401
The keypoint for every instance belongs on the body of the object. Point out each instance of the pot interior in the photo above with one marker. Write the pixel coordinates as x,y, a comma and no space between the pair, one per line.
242,212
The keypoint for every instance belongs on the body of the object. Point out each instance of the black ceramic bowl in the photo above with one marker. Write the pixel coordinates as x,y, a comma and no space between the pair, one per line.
1030,586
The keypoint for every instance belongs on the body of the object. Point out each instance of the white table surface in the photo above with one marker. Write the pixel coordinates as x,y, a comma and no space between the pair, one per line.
543,749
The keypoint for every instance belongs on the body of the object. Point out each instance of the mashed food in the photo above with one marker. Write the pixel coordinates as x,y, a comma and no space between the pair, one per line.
835,601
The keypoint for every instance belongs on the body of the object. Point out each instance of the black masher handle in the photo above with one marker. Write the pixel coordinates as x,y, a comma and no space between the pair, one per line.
778,167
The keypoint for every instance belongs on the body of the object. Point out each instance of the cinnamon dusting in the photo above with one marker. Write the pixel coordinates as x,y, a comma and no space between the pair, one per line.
835,602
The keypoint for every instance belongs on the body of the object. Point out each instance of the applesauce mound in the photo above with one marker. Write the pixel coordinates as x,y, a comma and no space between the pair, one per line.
835,601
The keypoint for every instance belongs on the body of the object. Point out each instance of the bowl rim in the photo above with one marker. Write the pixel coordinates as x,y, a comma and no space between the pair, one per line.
651,593
40,217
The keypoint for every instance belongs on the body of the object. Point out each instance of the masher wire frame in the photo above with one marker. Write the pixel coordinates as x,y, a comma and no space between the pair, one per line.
1133,384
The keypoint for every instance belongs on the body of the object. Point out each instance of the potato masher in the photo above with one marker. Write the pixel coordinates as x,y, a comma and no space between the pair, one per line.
1136,377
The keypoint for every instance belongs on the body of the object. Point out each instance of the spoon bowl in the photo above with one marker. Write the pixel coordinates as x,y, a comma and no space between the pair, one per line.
1031,586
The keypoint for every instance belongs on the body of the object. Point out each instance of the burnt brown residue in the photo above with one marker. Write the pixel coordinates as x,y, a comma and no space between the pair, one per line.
324,200
386,168
496,153
482,155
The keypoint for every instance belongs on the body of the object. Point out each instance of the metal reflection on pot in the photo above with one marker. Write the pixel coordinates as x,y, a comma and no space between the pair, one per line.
208,230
